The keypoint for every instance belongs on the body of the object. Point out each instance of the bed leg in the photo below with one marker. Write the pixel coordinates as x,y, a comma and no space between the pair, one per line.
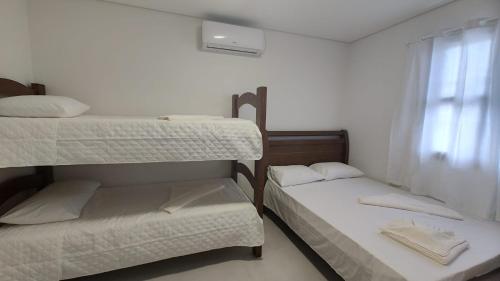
257,251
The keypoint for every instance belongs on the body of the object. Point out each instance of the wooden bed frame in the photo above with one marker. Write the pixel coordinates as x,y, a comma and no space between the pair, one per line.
15,190
282,148
279,148
304,148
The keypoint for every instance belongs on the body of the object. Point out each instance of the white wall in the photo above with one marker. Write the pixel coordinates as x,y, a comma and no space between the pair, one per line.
124,60
15,56
376,76
132,61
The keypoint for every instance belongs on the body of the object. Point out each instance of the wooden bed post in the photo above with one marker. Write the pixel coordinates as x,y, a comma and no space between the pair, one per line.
235,114
258,179
38,89
346,153
259,101
260,165
46,172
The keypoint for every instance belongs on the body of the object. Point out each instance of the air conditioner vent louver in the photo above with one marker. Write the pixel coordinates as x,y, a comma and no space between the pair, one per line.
234,50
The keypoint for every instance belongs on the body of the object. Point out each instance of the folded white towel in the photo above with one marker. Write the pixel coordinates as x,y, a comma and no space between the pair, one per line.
402,202
439,245
180,197
189,117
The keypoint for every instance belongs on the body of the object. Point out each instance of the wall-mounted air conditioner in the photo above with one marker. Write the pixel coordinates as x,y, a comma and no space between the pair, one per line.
234,39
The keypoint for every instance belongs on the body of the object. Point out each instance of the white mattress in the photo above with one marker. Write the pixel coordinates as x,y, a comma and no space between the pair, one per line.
99,140
346,234
122,227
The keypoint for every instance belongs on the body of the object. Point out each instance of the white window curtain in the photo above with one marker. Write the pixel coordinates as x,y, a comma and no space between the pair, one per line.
445,135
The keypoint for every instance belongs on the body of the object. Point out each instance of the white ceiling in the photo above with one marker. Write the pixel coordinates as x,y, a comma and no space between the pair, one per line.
341,20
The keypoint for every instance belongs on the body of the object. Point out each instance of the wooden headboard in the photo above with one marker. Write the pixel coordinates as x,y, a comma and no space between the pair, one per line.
10,88
15,190
306,147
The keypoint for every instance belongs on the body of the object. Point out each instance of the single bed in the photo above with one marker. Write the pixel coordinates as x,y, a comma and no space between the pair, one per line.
124,226
328,217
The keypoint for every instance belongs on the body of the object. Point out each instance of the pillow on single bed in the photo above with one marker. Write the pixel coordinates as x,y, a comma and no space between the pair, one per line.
59,201
41,106
293,175
336,170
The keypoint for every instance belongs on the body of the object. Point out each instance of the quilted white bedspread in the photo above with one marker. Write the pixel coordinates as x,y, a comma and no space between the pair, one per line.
347,236
112,140
122,227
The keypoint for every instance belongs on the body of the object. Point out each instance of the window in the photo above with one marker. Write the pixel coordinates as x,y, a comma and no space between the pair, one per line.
445,136
457,97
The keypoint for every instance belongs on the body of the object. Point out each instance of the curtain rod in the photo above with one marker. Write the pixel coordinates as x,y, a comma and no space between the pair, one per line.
475,23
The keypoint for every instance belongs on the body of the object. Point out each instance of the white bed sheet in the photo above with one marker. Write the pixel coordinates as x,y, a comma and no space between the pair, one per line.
327,216
113,139
123,226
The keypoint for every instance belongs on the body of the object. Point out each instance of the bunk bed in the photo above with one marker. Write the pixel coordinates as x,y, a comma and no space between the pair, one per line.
326,215
124,226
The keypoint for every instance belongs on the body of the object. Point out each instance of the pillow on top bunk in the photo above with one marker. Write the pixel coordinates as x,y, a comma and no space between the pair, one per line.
336,170
59,201
41,106
293,175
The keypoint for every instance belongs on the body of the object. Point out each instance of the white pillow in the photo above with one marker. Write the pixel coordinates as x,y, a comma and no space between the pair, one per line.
336,170
41,106
293,175
59,201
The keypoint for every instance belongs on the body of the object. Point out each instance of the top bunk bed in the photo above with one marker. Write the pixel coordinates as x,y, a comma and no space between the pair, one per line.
90,139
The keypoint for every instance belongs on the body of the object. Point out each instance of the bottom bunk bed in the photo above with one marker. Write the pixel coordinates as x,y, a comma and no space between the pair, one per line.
346,234
125,226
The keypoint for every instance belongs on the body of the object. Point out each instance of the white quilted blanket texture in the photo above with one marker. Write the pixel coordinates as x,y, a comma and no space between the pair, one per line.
113,140
124,226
